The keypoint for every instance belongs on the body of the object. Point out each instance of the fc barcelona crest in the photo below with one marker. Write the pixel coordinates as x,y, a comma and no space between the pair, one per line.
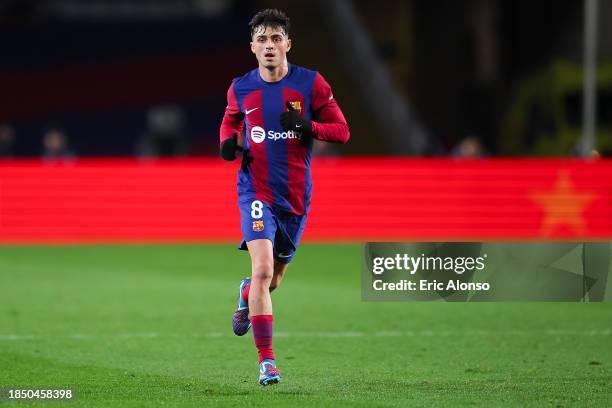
258,226
297,105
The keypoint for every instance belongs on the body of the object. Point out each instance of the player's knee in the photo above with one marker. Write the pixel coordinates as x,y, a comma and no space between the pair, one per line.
262,272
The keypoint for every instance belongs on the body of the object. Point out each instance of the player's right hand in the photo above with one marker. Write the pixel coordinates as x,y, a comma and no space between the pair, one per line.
229,147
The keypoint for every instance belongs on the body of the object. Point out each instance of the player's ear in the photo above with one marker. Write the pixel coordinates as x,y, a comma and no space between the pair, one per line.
252,47
288,44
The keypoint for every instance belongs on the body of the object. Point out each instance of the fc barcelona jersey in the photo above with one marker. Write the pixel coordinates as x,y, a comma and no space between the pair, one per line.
276,163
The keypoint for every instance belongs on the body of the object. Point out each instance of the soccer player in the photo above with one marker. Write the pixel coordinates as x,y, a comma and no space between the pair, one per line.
284,108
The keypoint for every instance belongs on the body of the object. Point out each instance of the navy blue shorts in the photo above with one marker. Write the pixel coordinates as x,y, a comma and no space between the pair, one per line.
258,220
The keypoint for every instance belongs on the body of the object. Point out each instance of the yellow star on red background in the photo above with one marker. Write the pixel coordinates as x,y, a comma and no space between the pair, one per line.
563,205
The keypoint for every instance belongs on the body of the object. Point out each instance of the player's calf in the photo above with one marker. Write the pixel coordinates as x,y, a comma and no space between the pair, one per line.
259,292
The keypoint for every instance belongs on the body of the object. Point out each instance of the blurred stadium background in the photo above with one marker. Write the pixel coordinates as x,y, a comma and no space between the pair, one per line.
466,118
141,78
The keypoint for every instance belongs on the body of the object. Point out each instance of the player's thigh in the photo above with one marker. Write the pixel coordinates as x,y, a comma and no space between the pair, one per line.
262,258
280,269
279,274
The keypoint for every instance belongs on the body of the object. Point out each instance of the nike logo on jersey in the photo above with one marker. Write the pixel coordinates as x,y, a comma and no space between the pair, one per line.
250,110
331,97
298,126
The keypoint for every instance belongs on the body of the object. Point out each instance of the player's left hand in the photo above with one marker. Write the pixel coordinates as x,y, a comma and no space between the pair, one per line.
292,120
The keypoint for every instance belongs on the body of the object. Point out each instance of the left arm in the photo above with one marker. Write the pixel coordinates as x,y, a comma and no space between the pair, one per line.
328,123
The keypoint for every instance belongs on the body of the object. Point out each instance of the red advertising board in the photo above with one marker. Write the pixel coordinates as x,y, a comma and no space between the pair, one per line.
354,199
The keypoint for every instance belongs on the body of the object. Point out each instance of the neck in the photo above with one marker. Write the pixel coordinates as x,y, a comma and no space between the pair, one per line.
274,74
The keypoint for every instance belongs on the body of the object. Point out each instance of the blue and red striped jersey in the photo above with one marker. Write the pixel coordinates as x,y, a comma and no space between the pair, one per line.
278,172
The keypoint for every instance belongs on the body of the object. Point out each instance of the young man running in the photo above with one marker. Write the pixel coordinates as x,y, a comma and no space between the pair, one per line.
284,108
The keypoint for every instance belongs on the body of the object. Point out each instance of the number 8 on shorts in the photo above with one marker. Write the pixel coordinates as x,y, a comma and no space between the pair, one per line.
256,209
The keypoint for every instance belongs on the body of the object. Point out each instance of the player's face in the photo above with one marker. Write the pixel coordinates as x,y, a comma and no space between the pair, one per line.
270,46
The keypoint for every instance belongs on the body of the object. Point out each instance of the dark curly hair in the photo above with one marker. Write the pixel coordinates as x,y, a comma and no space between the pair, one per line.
270,18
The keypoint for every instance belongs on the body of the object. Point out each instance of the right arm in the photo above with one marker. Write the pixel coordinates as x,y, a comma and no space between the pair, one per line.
232,123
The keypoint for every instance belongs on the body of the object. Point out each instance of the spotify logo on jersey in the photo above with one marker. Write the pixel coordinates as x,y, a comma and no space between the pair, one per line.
258,134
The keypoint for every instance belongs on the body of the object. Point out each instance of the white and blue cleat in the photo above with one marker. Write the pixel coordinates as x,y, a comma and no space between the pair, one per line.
240,320
268,373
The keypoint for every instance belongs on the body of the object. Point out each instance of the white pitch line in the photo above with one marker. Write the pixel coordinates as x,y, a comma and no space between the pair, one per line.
331,334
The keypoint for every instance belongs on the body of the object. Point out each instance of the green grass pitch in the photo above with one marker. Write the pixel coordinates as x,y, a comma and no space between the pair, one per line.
134,326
